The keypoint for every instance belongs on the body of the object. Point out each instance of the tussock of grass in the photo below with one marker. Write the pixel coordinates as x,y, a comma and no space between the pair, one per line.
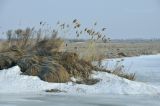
123,74
120,71
6,62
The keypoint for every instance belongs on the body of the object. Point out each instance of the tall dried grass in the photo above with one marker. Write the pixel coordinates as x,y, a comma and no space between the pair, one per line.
45,43
119,70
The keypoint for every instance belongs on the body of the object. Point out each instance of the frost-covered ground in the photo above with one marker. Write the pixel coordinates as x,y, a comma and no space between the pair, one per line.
111,88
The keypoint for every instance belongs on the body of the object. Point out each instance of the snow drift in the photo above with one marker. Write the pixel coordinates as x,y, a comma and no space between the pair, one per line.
11,81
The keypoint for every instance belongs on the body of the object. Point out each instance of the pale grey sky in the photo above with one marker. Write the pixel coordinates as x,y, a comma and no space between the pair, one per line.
123,18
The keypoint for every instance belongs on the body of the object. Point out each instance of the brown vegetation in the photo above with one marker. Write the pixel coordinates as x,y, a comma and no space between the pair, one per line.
40,55
116,49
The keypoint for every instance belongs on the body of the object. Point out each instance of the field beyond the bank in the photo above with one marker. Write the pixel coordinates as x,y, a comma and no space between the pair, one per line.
116,49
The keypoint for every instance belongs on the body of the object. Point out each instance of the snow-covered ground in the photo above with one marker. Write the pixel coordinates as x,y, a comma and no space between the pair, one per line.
147,68
11,81
20,90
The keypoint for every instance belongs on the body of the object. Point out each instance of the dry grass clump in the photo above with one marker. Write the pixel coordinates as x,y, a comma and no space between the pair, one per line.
6,62
53,45
124,74
39,53
75,67
43,66
54,66
53,69
53,72
120,71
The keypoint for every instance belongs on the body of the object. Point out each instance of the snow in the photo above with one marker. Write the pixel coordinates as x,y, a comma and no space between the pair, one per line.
11,81
146,67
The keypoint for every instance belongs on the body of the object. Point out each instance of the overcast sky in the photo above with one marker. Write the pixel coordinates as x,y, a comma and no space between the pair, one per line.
123,18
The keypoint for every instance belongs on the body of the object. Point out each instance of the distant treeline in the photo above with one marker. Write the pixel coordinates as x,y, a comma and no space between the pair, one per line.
112,40
135,40
116,40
